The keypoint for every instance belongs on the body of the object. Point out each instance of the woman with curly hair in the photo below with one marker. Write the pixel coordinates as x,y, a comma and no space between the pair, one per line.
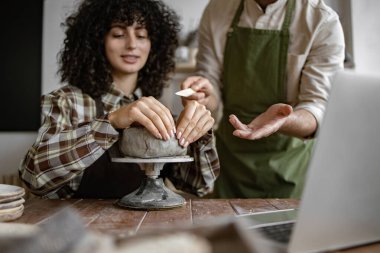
115,61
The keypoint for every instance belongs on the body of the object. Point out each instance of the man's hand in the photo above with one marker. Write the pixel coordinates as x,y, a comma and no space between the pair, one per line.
264,125
202,87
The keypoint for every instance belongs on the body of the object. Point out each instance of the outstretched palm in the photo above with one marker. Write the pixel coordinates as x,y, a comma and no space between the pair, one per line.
267,123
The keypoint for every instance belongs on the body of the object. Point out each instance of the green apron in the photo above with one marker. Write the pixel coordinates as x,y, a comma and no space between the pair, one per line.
253,79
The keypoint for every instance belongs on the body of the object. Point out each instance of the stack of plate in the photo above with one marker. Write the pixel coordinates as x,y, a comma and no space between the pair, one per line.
11,202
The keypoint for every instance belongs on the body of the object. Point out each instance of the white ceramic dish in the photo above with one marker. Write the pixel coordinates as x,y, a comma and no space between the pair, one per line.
11,214
10,192
12,204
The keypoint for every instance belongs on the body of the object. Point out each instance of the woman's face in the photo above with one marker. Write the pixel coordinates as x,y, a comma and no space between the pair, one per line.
127,48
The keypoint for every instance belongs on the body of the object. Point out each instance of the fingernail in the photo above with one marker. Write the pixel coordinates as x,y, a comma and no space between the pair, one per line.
179,135
159,136
182,142
167,137
171,133
174,130
186,144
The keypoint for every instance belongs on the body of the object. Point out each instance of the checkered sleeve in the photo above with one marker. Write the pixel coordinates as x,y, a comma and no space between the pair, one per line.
70,139
199,176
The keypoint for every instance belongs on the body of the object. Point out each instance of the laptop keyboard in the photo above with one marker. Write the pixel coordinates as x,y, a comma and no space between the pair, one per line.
279,232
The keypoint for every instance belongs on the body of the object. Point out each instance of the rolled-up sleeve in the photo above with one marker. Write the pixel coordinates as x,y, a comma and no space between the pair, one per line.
324,60
65,146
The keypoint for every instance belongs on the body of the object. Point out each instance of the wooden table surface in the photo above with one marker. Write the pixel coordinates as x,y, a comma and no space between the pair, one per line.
103,216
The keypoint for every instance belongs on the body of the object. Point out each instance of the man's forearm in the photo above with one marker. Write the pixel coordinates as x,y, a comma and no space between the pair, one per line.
301,123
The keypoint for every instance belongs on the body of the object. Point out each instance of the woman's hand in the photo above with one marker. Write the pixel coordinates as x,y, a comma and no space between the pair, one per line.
148,112
193,122
267,123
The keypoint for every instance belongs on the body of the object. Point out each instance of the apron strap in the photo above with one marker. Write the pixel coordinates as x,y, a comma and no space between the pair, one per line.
235,21
288,16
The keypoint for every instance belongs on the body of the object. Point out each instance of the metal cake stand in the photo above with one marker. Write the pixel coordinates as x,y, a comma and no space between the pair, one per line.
152,193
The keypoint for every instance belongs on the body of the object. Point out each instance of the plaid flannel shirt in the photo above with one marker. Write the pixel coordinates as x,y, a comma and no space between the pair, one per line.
71,138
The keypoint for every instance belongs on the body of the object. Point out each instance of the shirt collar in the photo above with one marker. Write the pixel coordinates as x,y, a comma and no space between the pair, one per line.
273,6
114,98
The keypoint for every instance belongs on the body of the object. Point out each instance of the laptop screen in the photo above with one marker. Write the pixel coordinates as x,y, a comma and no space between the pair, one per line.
340,205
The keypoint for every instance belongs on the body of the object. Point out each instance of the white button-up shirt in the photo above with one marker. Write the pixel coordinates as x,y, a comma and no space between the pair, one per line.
315,53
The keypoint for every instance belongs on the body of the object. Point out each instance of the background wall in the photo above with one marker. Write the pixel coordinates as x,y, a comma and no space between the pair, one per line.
343,8
360,15
366,36
13,146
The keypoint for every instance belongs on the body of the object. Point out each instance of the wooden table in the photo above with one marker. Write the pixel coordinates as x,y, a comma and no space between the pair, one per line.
103,216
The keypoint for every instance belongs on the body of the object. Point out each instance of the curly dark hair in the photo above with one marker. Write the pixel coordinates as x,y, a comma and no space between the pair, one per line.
83,62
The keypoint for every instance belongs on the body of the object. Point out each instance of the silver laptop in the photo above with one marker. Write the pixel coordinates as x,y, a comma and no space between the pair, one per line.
340,205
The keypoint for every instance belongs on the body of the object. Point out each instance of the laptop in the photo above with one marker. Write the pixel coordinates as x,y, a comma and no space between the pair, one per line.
340,205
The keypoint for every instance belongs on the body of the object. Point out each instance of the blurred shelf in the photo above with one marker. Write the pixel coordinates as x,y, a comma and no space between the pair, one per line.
185,67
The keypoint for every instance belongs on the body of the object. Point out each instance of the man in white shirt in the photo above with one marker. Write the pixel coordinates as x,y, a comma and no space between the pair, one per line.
270,63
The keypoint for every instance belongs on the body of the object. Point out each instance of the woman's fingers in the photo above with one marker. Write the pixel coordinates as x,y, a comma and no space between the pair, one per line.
189,125
185,118
158,114
166,115
204,124
147,123
194,121
148,112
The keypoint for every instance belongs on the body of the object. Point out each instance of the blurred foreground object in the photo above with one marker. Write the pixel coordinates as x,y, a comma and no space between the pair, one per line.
11,202
65,232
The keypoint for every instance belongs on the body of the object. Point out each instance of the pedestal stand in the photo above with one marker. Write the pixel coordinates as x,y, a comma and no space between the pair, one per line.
152,193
